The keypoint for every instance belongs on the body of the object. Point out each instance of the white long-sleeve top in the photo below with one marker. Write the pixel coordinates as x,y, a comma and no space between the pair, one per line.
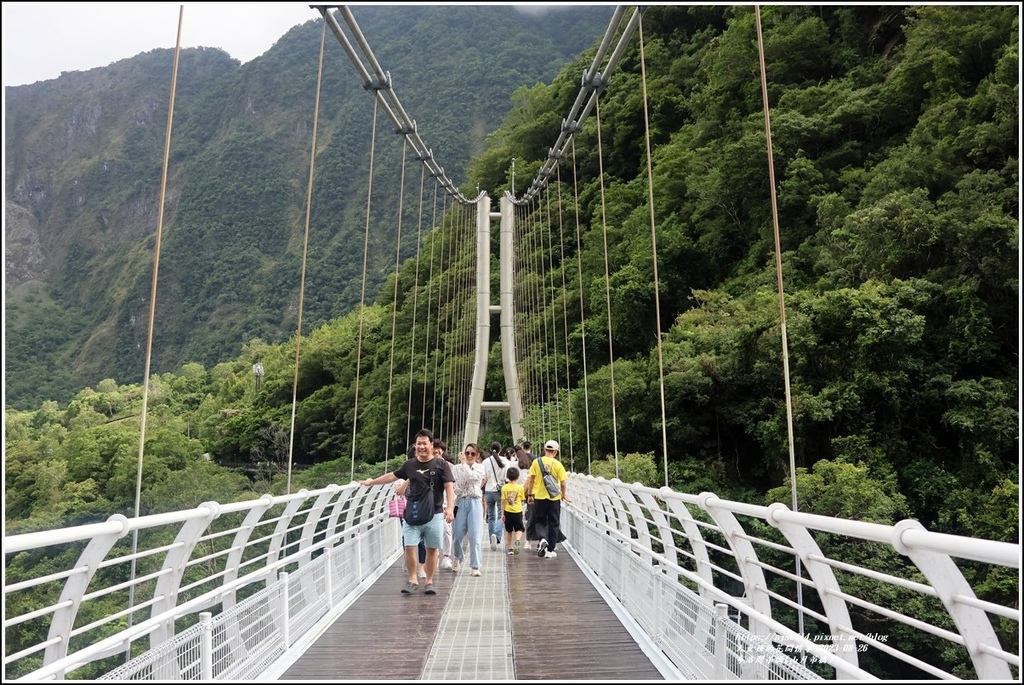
469,480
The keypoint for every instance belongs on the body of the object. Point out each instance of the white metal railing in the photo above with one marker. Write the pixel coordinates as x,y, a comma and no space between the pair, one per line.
257,575
898,602
710,583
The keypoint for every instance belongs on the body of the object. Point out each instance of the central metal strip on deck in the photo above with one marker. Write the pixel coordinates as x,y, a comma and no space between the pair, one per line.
474,639
524,618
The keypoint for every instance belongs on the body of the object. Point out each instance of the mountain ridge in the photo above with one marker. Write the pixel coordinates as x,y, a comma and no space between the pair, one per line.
83,163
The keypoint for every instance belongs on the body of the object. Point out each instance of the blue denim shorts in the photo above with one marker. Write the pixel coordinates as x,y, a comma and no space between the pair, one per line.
431,533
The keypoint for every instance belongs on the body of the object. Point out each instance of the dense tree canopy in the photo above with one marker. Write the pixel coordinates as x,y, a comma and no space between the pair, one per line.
895,137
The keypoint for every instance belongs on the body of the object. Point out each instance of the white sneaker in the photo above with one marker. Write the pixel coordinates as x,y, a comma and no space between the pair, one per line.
527,546
542,547
550,555
446,564
475,573
494,542
421,573
456,566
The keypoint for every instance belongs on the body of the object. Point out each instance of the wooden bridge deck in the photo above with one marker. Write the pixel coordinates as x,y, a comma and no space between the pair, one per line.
561,628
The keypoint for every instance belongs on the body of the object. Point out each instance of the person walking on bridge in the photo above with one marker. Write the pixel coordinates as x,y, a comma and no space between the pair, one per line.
423,472
494,469
545,508
441,452
469,519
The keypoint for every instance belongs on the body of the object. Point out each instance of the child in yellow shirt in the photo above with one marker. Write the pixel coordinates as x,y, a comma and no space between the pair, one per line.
512,497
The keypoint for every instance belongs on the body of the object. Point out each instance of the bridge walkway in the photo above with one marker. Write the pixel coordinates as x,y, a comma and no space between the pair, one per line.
524,618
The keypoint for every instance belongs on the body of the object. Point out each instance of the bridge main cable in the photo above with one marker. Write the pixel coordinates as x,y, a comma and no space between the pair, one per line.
379,81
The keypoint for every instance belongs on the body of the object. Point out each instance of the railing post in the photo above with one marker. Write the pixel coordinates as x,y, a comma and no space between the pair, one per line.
745,556
286,631
206,646
721,616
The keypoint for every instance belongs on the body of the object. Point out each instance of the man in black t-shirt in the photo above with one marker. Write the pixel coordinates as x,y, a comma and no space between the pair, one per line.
421,471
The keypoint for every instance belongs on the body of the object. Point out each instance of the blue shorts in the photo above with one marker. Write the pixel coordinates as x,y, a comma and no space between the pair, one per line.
431,533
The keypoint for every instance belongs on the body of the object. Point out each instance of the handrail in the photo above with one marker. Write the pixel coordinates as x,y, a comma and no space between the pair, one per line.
623,533
738,548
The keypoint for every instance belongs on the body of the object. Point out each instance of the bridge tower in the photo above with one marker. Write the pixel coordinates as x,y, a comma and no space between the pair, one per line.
484,311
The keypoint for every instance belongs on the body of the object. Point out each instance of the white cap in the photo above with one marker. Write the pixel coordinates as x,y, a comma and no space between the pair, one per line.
551,445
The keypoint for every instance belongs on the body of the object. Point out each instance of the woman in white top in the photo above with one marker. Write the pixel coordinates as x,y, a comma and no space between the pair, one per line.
494,469
469,513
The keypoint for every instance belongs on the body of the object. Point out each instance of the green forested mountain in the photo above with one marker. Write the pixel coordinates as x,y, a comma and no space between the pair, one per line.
84,156
896,149
895,135
896,155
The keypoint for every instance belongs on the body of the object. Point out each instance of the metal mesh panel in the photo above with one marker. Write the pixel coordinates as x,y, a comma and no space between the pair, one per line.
307,594
687,633
176,659
641,596
345,566
699,643
750,657
248,637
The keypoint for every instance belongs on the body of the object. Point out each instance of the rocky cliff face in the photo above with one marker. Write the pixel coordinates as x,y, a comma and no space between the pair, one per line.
24,261
84,160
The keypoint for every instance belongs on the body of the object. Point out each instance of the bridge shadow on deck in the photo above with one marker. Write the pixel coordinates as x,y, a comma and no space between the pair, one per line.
562,629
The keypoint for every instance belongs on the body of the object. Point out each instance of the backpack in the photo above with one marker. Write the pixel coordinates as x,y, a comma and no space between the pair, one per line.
551,483
419,505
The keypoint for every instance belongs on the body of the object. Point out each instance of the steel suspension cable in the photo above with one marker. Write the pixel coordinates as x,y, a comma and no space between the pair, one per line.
552,340
607,279
305,253
538,315
529,269
654,250
542,310
441,274
442,353
530,387
394,303
541,314
782,299
144,412
461,298
472,284
565,318
430,303
579,280
362,291
522,310
471,291
463,267
447,358
415,303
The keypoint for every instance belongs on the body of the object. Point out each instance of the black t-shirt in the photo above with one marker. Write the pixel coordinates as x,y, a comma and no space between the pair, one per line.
419,474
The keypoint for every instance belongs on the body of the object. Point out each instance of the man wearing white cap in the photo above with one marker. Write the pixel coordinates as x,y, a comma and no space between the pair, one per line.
546,507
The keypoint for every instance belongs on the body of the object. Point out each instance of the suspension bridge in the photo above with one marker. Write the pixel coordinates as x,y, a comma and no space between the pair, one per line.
651,584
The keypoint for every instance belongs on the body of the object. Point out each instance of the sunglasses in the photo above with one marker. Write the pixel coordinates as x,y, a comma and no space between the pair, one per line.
472,453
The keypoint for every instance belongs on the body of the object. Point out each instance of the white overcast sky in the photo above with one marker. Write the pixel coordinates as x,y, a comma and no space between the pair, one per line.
43,39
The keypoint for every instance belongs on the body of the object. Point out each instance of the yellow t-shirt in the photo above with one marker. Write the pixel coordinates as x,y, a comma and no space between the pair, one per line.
512,496
555,468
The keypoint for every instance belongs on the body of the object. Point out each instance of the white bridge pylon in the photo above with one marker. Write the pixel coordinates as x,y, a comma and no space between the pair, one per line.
484,310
